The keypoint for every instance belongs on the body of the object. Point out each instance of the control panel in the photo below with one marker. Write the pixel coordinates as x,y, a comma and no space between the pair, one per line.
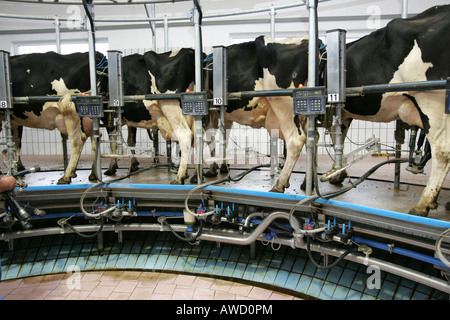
89,106
194,103
309,101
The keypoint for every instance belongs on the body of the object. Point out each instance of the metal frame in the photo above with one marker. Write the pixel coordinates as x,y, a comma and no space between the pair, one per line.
152,19
69,2
7,106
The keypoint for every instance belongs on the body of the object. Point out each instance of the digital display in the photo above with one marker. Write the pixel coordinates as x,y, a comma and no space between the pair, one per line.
194,96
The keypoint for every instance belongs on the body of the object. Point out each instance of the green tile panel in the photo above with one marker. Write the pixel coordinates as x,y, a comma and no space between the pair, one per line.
283,269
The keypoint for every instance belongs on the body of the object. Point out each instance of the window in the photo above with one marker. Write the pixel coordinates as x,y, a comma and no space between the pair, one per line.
66,47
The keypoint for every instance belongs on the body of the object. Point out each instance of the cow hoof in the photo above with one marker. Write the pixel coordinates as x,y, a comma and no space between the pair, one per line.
134,166
303,185
277,189
434,205
109,172
224,168
64,180
194,179
210,174
339,178
447,206
176,181
92,177
334,176
417,212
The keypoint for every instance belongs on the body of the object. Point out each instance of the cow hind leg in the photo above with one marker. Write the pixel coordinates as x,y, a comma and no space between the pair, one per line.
181,131
92,175
293,139
438,137
294,146
439,171
185,140
77,138
76,147
131,141
73,162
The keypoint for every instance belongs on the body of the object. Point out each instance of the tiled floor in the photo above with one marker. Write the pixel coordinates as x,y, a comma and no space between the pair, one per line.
132,285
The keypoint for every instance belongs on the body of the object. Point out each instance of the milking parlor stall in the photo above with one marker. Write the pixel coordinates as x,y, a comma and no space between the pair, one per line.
301,146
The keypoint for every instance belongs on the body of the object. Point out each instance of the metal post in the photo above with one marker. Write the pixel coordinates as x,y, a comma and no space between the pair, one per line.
273,152
336,82
153,24
166,34
58,50
312,79
399,130
405,9
166,48
6,105
93,79
58,34
198,145
220,91
156,135
115,84
273,137
272,22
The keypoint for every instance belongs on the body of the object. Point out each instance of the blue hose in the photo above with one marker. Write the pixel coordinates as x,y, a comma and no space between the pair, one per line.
401,251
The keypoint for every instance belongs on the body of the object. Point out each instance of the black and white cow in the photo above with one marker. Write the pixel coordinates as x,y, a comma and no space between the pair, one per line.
41,74
152,73
407,50
264,64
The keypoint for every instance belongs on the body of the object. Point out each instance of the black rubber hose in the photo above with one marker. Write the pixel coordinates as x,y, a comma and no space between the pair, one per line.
186,239
328,267
362,178
87,236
